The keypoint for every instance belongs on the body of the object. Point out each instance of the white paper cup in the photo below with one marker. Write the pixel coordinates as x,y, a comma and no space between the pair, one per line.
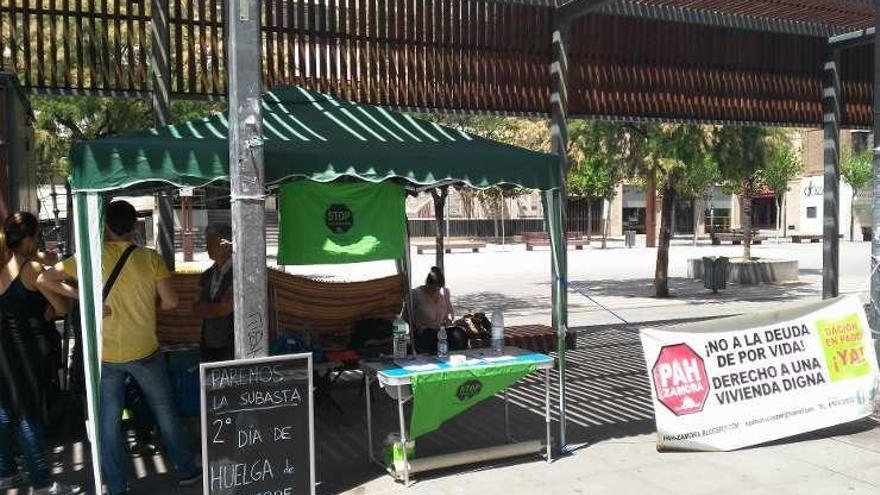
457,359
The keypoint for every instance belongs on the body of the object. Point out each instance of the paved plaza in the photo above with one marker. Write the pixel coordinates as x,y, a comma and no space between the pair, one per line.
621,279
611,418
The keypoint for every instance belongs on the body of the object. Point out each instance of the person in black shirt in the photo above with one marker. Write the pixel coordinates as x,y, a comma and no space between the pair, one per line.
215,297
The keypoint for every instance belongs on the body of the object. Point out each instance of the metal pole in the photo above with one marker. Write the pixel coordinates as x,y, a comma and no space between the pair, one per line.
651,210
69,234
448,209
246,174
439,196
186,217
56,220
874,316
161,104
165,229
556,204
831,124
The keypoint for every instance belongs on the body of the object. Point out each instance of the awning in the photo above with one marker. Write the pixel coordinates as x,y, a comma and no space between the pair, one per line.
312,136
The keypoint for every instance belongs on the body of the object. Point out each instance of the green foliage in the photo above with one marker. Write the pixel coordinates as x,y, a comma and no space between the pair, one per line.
784,165
857,169
683,159
62,120
532,134
742,153
597,159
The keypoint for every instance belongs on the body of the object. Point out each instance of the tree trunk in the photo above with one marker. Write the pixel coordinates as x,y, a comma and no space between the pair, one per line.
495,220
746,208
589,220
696,221
651,210
661,272
778,217
606,208
852,217
784,214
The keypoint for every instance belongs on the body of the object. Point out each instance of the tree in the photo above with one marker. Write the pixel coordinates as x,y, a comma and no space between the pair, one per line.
698,176
597,155
62,120
857,170
742,154
785,164
680,153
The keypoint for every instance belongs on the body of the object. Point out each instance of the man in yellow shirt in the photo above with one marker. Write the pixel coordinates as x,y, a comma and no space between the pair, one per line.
129,344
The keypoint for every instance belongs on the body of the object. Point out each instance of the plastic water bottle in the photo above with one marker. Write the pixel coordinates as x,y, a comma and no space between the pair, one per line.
442,344
398,337
498,332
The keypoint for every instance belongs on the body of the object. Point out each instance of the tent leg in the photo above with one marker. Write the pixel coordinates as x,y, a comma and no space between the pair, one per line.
404,267
89,273
555,203
558,264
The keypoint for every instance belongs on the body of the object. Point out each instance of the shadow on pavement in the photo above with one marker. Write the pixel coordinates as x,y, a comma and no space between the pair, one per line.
692,291
608,394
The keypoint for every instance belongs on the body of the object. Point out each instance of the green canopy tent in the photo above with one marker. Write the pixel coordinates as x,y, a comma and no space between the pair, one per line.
306,136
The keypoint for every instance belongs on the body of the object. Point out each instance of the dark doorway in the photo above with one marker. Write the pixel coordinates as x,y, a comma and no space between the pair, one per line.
764,213
684,216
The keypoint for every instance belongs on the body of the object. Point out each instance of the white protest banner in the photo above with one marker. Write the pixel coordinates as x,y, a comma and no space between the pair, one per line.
735,382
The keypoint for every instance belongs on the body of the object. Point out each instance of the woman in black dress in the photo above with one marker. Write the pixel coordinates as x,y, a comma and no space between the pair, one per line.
27,344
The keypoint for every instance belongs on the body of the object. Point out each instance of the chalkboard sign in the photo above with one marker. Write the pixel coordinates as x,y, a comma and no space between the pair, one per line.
258,426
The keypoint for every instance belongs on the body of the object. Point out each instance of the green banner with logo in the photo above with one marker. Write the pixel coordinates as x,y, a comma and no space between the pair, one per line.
438,397
324,223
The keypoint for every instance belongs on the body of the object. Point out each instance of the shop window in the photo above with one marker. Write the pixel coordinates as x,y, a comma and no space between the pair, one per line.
718,219
811,212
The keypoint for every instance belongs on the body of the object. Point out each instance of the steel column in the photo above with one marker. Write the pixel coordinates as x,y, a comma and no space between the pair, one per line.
831,204
440,195
159,61
875,223
557,204
246,174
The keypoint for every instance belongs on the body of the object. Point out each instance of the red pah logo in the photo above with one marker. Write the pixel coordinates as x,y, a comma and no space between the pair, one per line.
680,379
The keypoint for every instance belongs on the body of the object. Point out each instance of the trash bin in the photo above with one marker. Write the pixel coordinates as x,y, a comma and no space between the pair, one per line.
629,238
866,234
715,272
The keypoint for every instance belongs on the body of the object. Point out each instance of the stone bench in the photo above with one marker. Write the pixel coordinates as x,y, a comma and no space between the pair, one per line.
533,239
799,238
735,238
473,246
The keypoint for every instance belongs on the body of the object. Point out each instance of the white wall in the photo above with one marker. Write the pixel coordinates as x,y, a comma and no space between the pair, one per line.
810,195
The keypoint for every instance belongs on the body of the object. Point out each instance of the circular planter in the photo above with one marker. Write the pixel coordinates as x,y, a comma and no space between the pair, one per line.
754,271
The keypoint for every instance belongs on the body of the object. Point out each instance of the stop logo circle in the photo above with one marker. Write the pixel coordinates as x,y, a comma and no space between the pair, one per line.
680,379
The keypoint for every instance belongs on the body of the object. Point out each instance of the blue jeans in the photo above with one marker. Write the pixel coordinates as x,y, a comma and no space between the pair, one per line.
152,377
30,439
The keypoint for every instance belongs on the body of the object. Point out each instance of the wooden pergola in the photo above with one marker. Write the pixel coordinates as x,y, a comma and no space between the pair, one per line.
679,60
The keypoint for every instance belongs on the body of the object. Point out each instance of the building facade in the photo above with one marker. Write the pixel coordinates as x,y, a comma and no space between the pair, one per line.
717,210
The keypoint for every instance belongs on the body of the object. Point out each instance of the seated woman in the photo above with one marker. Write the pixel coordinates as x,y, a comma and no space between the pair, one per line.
432,309
215,297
